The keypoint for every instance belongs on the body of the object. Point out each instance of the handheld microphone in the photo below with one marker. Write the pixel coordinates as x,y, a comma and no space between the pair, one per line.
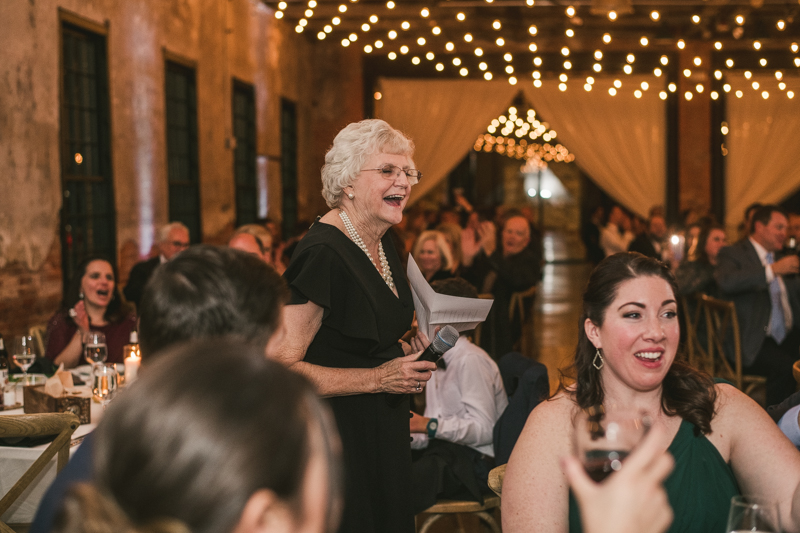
444,339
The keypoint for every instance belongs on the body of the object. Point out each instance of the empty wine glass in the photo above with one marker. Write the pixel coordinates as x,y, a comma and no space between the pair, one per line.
105,380
24,354
603,440
753,514
94,347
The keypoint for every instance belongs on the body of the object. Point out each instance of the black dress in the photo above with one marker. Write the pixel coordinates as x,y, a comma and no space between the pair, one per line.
362,322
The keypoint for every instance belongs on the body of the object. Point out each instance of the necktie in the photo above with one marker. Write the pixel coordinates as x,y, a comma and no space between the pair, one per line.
777,322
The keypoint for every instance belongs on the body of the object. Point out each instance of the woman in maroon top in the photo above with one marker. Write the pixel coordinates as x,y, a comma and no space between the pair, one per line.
91,302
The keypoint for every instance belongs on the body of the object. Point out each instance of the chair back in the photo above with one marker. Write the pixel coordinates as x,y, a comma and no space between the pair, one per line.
693,314
721,325
63,425
496,476
38,334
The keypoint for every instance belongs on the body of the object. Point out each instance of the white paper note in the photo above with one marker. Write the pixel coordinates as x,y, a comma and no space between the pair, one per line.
435,309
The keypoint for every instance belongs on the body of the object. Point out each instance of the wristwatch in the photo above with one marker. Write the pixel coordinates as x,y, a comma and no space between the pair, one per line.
433,425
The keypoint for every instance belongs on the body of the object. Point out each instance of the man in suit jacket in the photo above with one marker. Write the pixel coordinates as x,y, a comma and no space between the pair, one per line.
767,301
651,242
172,238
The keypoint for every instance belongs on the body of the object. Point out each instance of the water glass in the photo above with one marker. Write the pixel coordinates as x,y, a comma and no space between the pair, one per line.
94,347
749,514
105,380
24,354
604,439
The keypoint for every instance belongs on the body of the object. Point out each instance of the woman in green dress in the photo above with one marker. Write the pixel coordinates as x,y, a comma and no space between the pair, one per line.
723,442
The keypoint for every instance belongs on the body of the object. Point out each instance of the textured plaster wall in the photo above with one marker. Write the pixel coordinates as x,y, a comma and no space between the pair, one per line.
222,40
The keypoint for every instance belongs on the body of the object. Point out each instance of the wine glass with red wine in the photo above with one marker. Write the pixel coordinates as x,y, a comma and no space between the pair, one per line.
604,439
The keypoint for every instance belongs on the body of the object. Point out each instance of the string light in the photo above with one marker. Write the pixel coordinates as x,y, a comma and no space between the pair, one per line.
500,41
699,88
461,17
644,41
726,87
756,85
436,30
456,61
392,56
405,25
597,67
655,15
688,95
729,63
570,11
598,55
664,60
663,95
714,95
739,20
570,32
657,72
697,61
794,47
630,58
672,87
617,84
612,15
567,65
533,30
429,56
421,41
627,69
718,45
687,73
425,12
279,14
496,25
479,52
681,44
612,91
532,47
696,19
718,74
644,85
282,5
606,38
449,46
390,4
565,51
757,45
781,25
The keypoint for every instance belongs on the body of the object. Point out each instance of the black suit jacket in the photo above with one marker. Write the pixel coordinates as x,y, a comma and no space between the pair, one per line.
742,279
140,275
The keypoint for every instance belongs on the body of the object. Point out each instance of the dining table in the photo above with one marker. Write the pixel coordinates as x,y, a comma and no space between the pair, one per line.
15,461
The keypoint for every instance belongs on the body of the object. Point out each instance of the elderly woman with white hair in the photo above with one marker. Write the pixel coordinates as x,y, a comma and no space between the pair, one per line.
349,307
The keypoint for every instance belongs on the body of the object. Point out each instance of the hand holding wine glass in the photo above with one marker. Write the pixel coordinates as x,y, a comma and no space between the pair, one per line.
105,381
604,439
631,501
94,347
24,354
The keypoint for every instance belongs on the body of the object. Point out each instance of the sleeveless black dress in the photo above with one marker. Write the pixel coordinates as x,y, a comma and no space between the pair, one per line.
361,324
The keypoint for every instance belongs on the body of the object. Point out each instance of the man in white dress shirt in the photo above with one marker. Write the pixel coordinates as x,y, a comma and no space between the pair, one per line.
616,236
452,443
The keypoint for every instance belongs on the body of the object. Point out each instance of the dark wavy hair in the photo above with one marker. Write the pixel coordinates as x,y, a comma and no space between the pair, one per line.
702,239
208,425
115,311
686,392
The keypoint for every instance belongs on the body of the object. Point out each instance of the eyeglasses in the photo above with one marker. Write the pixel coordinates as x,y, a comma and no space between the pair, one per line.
179,244
390,172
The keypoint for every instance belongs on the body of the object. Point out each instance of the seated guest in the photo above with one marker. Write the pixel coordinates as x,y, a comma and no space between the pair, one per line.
793,234
91,303
172,238
515,267
254,239
723,443
767,300
652,241
192,447
452,234
453,441
433,256
698,275
616,235
205,292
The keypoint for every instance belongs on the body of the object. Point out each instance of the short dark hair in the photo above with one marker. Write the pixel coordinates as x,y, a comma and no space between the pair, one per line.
764,214
209,424
115,311
686,391
455,287
210,291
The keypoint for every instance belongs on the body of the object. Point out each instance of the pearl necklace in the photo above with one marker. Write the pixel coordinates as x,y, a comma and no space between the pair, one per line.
386,274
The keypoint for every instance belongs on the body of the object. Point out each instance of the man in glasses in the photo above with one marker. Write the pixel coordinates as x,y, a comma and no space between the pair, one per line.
172,239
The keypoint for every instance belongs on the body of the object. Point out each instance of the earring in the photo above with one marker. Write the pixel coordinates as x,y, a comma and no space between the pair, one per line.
351,196
595,363
80,295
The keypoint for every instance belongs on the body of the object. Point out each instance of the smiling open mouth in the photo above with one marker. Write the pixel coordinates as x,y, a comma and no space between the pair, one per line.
395,200
648,356
102,292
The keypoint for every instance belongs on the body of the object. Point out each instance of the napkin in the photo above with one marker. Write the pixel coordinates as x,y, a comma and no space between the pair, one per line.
59,384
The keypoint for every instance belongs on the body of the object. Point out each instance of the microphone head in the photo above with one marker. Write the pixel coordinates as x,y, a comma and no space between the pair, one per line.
445,339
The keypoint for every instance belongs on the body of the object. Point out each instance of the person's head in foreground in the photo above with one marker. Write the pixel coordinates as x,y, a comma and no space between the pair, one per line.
211,291
629,338
213,438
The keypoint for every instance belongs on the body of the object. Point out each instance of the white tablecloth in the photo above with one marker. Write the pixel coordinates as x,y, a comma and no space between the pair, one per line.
14,462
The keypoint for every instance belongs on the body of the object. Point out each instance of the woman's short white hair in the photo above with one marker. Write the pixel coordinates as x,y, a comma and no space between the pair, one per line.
351,148
441,244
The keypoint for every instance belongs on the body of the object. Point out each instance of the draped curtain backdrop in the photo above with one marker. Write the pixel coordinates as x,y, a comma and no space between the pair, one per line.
761,165
619,141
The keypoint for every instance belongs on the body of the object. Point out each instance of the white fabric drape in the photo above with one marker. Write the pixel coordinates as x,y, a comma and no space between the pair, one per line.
443,117
620,141
762,163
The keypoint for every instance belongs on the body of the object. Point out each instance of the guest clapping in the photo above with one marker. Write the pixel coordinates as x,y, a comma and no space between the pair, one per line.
350,305
91,302
433,256
721,440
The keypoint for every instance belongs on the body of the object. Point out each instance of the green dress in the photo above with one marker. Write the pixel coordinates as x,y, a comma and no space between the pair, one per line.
699,489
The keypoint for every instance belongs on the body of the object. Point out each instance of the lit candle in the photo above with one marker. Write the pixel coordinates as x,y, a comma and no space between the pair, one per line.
132,366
